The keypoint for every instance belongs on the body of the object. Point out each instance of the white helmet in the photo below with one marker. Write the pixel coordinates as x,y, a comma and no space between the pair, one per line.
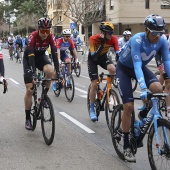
66,32
127,33
11,34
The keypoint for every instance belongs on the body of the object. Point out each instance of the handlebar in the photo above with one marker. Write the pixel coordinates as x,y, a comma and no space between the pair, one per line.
149,96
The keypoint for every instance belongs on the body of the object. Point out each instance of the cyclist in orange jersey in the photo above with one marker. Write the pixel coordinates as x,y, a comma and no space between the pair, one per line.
99,46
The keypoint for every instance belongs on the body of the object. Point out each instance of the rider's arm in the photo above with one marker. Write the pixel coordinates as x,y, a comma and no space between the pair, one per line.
54,53
137,62
79,41
166,57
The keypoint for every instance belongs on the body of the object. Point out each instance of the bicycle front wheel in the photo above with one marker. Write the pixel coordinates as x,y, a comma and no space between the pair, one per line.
110,106
69,88
161,159
116,130
47,120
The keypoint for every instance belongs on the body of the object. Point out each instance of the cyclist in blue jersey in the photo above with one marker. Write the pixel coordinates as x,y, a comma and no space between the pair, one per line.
134,57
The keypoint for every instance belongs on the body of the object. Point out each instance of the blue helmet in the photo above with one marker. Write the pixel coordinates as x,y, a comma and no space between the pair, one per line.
155,22
75,32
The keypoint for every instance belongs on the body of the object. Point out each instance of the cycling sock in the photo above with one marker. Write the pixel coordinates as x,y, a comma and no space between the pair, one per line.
27,112
46,89
126,140
92,107
143,113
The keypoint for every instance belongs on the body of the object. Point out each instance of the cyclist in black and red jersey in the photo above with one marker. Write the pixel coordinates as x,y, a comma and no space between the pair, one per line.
34,57
99,46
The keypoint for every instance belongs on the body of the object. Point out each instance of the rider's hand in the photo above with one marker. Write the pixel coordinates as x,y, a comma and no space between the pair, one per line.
59,60
144,94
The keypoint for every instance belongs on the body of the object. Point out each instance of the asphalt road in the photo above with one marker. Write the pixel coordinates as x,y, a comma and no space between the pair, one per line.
79,143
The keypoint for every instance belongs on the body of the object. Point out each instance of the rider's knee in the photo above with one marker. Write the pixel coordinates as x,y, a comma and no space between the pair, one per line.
167,85
155,87
111,68
128,108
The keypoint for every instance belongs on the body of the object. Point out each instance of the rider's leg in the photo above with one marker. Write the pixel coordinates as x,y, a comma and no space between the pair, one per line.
68,60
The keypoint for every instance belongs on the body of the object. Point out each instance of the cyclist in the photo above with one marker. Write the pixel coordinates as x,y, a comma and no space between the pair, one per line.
18,43
138,52
34,57
76,38
11,41
123,40
63,44
25,42
99,46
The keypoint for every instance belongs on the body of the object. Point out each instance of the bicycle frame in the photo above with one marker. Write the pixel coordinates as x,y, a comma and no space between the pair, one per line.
153,116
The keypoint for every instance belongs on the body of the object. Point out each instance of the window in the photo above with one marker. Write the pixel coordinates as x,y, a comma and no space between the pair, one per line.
111,4
147,3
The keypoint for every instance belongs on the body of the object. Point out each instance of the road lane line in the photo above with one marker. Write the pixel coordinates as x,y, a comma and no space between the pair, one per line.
84,96
83,91
13,81
85,128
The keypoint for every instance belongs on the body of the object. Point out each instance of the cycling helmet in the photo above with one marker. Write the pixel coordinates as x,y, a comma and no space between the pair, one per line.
155,22
75,33
44,23
127,33
18,36
11,34
66,32
106,27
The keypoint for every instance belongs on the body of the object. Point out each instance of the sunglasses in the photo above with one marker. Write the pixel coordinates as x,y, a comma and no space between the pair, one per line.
45,31
110,33
156,33
68,36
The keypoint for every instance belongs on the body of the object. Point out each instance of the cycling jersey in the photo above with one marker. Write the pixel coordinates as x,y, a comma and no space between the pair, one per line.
122,42
37,47
94,42
63,46
138,52
76,40
18,42
11,40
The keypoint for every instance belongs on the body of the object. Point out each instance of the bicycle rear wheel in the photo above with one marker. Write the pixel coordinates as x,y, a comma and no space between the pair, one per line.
109,107
159,160
77,69
47,120
69,88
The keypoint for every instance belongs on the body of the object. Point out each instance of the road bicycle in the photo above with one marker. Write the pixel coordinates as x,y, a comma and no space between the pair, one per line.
42,109
19,55
67,83
11,52
74,66
106,99
158,144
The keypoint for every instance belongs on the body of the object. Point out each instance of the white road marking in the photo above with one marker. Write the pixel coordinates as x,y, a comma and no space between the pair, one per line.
85,128
13,81
84,96
83,91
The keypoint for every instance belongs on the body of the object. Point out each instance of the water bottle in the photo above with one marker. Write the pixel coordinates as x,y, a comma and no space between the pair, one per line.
136,128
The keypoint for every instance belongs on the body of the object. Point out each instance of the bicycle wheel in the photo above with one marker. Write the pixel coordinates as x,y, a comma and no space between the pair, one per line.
116,130
69,88
77,69
159,160
33,118
47,120
113,102
96,103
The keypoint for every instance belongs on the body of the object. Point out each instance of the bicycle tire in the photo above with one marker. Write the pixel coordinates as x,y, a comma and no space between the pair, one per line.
34,119
96,103
108,111
116,131
68,89
164,148
48,140
77,70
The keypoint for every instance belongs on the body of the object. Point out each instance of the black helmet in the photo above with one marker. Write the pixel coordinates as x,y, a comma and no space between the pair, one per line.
106,27
155,22
44,23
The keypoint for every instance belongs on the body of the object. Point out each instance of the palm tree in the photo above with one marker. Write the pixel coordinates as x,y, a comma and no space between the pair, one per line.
28,15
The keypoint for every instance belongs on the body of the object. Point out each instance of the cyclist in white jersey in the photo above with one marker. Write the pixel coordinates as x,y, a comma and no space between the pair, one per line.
123,40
